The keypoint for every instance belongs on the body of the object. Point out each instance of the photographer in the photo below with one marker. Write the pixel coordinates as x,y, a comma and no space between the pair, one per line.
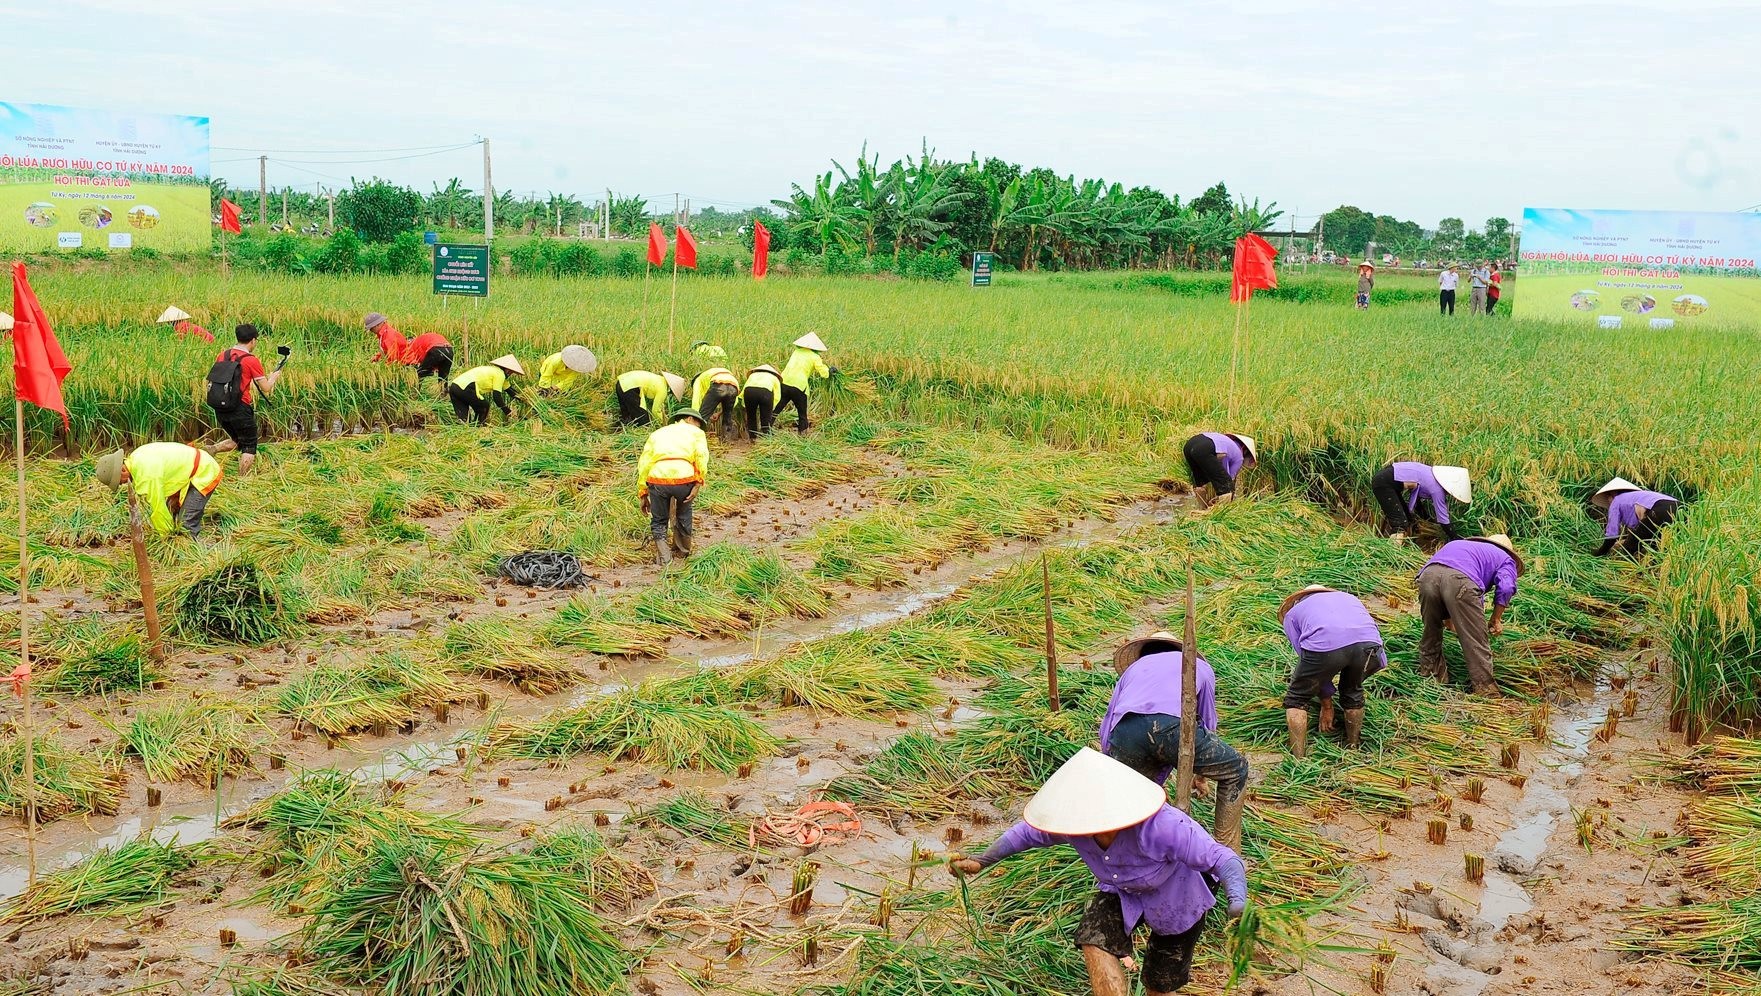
236,374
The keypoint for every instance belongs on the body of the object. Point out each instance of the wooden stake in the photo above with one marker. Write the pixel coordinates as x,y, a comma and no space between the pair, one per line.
464,348
144,571
24,654
1045,574
673,311
1188,702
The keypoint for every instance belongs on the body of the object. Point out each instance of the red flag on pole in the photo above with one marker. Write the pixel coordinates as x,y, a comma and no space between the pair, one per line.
229,217
685,249
38,365
1253,267
656,244
760,250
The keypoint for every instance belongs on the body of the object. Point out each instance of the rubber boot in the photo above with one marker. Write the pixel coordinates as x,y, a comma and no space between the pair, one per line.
663,555
681,543
1298,721
1354,726
1226,828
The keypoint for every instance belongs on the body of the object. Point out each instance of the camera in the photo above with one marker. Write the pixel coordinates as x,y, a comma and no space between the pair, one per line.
284,350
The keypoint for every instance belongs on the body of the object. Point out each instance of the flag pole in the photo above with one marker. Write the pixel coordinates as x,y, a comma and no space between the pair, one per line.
24,652
1235,358
673,311
647,271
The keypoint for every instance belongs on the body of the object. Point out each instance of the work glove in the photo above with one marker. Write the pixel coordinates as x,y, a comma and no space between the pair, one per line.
1233,875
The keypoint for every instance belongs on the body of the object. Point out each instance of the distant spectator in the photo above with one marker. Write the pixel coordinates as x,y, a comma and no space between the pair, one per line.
1366,282
1446,284
1494,287
1479,280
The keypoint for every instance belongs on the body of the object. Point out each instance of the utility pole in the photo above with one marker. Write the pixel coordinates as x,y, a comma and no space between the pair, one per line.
283,207
262,190
488,198
330,196
605,233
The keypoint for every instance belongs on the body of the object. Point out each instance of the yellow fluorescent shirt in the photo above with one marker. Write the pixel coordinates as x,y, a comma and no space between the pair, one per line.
163,471
714,375
552,375
653,388
673,454
488,379
763,380
803,364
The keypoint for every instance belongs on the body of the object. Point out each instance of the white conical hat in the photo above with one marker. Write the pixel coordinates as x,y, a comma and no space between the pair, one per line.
811,341
767,368
5,322
1455,481
508,363
580,359
676,383
174,314
1092,793
1605,497
1248,444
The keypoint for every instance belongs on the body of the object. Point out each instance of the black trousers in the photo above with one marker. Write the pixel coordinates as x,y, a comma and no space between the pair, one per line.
630,410
1645,534
1391,497
797,397
470,406
437,361
761,411
1491,304
1446,302
1315,668
241,424
1206,466
720,396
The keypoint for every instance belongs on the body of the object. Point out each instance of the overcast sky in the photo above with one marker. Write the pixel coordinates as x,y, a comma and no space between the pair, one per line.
1413,109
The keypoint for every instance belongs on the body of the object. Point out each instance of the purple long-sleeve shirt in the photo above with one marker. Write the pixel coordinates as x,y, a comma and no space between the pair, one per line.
1229,451
1485,564
1623,511
1156,868
1152,685
1329,620
1424,482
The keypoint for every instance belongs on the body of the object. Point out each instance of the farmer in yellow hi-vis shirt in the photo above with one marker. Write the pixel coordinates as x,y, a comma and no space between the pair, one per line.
674,464
566,370
716,388
804,364
174,481
642,395
472,391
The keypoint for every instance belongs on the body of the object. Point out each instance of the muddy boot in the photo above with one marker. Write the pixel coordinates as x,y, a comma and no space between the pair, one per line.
1354,726
681,544
1226,827
663,555
1298,721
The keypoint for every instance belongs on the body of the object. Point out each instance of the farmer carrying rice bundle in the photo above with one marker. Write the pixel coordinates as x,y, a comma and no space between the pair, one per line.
472,391
1335,639
642,396
1401,486
566,369
1633,513
673,465
1452,595
174,481
1150,861
1214,460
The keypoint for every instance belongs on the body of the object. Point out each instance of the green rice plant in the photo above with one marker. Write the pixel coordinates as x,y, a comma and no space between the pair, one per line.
387,688
192,741
116,881
68,780
235,604
415,917
96,660
650,723
589,622
692,814
607,878
496,648
846,685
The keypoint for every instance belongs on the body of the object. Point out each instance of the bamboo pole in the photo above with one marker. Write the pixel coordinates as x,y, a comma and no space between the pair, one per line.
1045,575
673,311
144,571
1234,361
24,653
1188,703
647,271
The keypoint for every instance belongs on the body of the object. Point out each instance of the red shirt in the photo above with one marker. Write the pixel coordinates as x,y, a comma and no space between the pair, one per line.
1495,290
250,368
420,345
191,328
391,344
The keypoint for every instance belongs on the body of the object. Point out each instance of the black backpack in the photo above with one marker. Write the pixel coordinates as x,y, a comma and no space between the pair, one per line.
226,383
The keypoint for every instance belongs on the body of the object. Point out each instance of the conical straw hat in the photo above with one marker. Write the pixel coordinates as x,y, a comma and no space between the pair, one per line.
676,384
811,341
580,359
1090,794
767,368
173,314
1605,497
1502,542
1294,597
1455,481
508,363
1159,642
1247,443
5,322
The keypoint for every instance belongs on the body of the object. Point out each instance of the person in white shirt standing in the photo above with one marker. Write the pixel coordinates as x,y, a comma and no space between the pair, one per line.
1446,284
1478,281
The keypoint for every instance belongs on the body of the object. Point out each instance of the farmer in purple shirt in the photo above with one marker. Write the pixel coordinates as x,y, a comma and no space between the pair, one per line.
1334,637
1400,486
1142,726
1452,594
1639,514
1149,860
1215,459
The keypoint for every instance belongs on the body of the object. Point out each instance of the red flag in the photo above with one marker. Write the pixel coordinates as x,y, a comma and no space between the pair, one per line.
229,217
685,249
1253,267
760,250
38,365
656,244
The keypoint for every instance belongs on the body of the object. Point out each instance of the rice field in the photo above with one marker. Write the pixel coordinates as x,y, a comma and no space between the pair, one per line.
434,780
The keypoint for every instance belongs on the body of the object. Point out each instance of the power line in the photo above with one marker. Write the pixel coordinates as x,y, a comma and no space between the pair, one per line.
388,159
341,152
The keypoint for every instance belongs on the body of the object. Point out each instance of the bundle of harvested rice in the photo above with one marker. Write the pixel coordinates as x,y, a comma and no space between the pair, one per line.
192,741
113,882
496,648
236,603
386,689
648,723
68,780
598,625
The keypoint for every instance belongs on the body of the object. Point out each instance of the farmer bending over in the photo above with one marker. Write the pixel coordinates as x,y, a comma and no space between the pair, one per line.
1452,594
1214,460
1334,639
642,396
716,388
566,370
1419,482
474,389
804,364
1633,512
1141,727
674,464
1149,860
763,385
174,481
